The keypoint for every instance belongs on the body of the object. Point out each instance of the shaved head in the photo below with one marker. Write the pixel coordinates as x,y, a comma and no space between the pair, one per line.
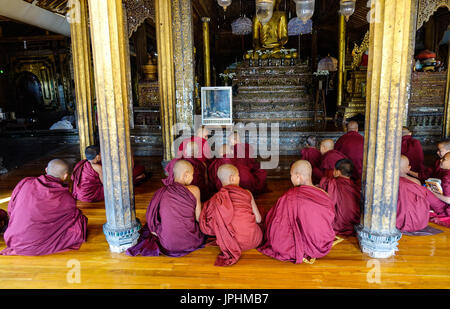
443,148
445,161
228,174
404,165
301,172
326,145
182,170
311,141
352,126
57,168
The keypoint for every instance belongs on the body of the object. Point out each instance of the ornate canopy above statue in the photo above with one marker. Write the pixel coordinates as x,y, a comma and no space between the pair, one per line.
137,12
427,8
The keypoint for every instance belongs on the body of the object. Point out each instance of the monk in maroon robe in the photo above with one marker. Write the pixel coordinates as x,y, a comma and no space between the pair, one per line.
87,177
44,218
200,170
225,156
300,225
412,148
351,144
232,216
414,201
311,154
443,148
201,139
346,197
329,157
172,217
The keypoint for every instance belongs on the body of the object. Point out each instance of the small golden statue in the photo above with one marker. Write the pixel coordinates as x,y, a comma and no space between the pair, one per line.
270,38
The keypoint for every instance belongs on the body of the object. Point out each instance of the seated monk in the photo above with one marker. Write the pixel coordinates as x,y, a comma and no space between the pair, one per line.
329,157
445,180
242,150
200,170
412,148
311,154
172,217
225,156
87,177
201,139
443,148
232,216
414,201
44,217
351,144
300,225
346,197
139,174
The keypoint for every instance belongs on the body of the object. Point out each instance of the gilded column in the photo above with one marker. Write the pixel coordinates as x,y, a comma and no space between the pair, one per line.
110,54
81,56
446,127
341,63
387,75
206,52
166,76
183,48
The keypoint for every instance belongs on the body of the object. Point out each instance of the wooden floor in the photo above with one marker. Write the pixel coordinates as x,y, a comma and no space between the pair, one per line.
421,262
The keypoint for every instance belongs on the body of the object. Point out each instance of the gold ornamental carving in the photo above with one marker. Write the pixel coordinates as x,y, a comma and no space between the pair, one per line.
358,51
137,12
427,8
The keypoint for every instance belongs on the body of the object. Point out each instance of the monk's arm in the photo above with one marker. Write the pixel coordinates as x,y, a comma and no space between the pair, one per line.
445,199
255,209
198,208
98,169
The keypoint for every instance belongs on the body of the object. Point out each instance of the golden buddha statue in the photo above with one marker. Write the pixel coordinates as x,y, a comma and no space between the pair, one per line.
271,36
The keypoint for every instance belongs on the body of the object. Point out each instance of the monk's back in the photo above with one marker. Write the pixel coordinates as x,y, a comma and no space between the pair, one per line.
87,186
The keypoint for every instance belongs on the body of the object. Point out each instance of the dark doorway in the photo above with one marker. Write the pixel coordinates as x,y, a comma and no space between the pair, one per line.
28,95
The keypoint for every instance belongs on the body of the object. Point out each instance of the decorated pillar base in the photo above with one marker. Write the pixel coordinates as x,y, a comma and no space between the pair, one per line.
120,240
377,245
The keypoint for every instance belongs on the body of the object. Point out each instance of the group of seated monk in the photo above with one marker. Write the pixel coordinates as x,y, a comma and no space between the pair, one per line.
205,198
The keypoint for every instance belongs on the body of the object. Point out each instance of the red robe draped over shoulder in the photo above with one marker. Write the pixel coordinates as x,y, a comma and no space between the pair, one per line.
346,197
351,144
329,160
44,218
313,156
413,206
412,149
228,215
171,216
87,186
445,181
203,146
299,226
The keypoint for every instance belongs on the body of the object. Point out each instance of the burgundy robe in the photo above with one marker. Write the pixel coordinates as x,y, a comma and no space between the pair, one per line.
44,218
87,186
138,170
431,172
412,149
228,215
200,175
203,147
329,160
251,176
313,156
445,181
351,145
299,226
171,216
346,197
413,206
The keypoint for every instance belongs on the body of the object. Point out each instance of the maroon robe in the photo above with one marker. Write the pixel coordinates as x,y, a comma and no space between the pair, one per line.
445,181
413,206
171,216
432,172
351,145
214,181
87,186
44,218
200,175
412,149
137,171
203,147
313,156
346,197
228,215
251,176
299,226
329,160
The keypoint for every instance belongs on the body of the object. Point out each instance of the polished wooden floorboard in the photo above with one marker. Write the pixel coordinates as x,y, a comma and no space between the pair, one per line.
421,262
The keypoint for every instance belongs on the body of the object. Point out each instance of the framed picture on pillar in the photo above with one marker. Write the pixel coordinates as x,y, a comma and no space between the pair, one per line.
217,105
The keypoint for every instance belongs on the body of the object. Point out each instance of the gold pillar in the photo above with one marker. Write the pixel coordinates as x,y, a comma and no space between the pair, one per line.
166,75
387,78
341,63
110,54
81,57
206,53
446,121
183,43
